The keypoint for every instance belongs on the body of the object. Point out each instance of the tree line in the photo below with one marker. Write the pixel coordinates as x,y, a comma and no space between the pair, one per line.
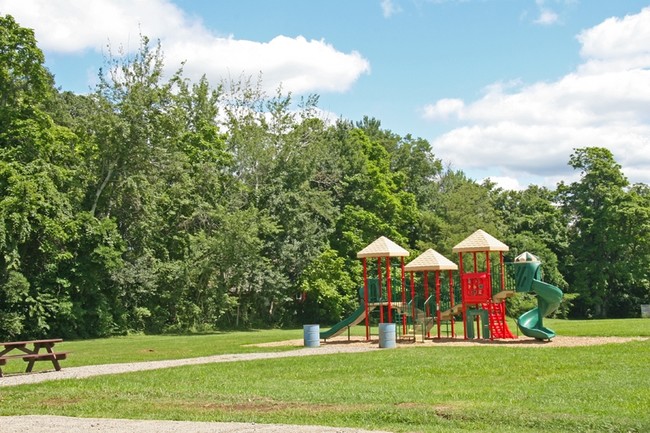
158,204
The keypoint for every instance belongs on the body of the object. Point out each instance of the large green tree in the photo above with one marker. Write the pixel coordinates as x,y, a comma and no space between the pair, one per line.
608,231
47,242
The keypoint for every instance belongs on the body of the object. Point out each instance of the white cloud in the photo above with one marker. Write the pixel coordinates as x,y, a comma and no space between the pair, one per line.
444,109
389,8
547,17
531,130
617,43
301,65
505,182
69,26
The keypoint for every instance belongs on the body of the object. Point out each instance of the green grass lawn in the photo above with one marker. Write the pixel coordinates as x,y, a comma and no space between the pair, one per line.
601,328
602,388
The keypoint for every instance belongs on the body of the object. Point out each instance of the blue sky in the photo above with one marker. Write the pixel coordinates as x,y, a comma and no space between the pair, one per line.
504,89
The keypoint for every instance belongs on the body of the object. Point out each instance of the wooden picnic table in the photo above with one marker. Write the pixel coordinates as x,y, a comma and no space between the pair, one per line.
30,352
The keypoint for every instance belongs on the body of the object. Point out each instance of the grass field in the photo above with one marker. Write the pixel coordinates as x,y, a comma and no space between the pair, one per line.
602,388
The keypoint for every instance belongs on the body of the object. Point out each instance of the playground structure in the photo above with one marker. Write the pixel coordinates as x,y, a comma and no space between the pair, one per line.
477,292
479,304
383,250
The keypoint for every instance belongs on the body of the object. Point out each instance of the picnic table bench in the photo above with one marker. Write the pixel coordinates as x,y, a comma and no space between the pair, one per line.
30,352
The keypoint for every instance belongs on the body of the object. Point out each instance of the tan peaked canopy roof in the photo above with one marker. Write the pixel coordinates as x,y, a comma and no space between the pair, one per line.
480,241
383,247
431,260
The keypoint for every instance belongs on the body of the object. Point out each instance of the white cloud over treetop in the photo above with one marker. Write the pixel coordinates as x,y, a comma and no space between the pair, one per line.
531,130
301,65
70,26
444,109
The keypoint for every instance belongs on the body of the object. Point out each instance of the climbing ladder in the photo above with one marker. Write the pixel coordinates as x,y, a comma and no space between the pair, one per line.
497,318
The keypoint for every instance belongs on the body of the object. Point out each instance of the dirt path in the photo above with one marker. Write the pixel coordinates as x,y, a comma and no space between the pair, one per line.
63,424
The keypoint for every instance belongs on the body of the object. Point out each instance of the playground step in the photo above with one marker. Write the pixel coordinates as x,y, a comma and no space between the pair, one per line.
454,311
419,333
502,295
497,318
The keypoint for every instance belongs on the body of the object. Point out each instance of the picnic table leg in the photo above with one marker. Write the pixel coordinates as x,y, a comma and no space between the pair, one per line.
55,363
31,362
30,365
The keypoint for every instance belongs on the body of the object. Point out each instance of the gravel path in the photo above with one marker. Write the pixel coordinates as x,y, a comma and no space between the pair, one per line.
63,424
99,370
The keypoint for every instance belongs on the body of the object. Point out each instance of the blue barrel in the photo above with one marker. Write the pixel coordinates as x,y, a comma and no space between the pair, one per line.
387,336
312,335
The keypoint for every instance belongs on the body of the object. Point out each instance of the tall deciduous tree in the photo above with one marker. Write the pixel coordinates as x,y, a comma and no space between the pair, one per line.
24,82
608,227
42,181
34,212
372,196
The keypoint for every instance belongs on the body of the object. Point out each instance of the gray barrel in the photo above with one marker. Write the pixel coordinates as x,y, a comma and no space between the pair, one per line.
312,335
387,335
645,311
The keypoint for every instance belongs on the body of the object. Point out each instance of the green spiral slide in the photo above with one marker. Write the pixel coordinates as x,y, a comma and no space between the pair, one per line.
528,280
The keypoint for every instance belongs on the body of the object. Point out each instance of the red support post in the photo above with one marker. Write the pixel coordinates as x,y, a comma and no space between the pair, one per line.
413,297
403,296
475,263
365,297
489,274
389,291
438,301
489,288
451,303
427,310
461,268
381,307
503,287
462,291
